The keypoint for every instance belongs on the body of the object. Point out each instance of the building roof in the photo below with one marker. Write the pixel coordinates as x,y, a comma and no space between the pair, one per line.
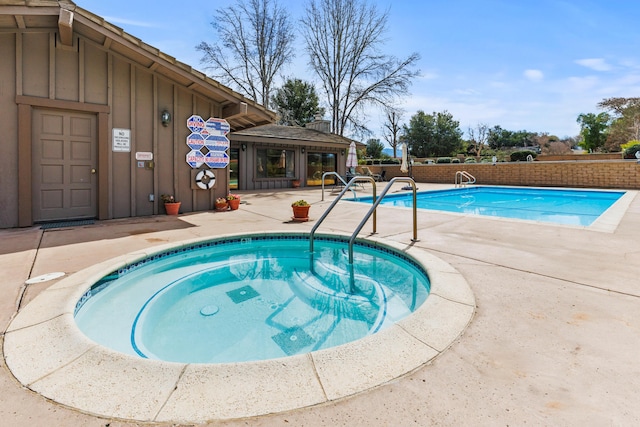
68,18
291,135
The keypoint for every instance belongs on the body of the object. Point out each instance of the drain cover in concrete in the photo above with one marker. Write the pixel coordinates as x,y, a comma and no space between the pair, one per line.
44,278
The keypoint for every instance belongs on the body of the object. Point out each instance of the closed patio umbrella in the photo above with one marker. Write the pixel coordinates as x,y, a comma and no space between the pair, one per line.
352,157
404,167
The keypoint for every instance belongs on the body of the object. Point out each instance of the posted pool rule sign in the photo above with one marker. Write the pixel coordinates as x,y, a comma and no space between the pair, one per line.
208,142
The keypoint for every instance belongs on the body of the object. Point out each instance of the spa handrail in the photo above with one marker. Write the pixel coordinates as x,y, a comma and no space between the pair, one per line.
340,178
376,202
348,185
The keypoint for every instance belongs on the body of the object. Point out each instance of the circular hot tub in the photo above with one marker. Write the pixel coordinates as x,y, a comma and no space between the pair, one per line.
47,351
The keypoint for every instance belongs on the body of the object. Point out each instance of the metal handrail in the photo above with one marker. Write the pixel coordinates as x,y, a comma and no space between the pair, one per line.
464,174
375,205
335,202
373,210
340,178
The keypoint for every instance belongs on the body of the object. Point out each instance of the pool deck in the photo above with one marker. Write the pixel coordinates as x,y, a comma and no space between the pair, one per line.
554,339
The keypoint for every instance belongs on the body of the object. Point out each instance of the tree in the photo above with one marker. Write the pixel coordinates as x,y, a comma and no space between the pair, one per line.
255,42
499,138
626,121
593,130
478,136
434,134
551,145
374,148
296,103
391,127
343,40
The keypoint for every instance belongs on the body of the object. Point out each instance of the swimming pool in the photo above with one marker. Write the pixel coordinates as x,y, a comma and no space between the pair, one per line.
559,206
250,298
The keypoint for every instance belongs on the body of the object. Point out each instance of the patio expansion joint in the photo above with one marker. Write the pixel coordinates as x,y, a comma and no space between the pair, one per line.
455,301
53,371
317,375
173,390
522,270
23,288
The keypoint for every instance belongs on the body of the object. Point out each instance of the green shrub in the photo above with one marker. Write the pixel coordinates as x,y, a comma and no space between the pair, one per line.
623,147
443,160
630,152
390,161
521,156
470,160
455,160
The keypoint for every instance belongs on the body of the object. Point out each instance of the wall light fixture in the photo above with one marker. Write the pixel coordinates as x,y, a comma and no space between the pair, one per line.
165,117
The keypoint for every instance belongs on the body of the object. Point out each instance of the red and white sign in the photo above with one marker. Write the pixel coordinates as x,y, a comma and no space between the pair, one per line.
144,155
208,142
195,159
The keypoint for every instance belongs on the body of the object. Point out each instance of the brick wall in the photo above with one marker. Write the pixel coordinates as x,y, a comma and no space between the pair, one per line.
580,157
590,174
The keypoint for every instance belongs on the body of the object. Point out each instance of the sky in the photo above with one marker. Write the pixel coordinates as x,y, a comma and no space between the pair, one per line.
517,64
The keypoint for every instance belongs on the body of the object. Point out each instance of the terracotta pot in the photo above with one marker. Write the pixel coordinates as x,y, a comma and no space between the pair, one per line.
234,204
172,208
295,183
301,212
221,207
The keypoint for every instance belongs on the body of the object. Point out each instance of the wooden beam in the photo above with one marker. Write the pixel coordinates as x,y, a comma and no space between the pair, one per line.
20,22
65,26
62,105
233,111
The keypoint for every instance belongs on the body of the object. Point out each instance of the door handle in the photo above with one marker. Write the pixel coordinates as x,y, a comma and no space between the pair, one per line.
93,171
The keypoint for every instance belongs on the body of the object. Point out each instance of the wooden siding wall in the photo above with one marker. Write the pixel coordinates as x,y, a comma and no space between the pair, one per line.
8,133
83,77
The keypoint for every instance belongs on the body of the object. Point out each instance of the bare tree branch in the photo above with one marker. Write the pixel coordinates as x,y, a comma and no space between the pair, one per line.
255,42
391,127
343,39
479,137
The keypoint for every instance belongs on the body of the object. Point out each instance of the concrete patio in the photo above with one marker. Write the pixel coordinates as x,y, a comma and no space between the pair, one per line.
554,340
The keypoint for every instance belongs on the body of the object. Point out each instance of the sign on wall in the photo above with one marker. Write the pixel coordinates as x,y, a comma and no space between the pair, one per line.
121,140
208,142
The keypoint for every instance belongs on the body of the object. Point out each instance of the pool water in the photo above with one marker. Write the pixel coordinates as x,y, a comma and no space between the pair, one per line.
250,299
568,207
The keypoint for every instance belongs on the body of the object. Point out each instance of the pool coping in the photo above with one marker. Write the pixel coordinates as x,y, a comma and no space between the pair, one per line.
47,353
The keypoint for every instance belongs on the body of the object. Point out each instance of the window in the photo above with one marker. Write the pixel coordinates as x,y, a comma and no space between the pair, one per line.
234,155
319,163
273,163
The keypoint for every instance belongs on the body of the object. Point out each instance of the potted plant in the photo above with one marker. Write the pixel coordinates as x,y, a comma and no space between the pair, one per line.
221,204
300,210
171,205
234,201
295,183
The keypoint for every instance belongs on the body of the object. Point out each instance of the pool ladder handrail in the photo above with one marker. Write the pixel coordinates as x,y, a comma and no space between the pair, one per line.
375,205
347,185
461,175
340,178
372,211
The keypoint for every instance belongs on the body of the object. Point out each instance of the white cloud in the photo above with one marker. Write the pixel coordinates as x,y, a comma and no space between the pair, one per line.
469,92
597,64
123,21
581,84
428,76
534,75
